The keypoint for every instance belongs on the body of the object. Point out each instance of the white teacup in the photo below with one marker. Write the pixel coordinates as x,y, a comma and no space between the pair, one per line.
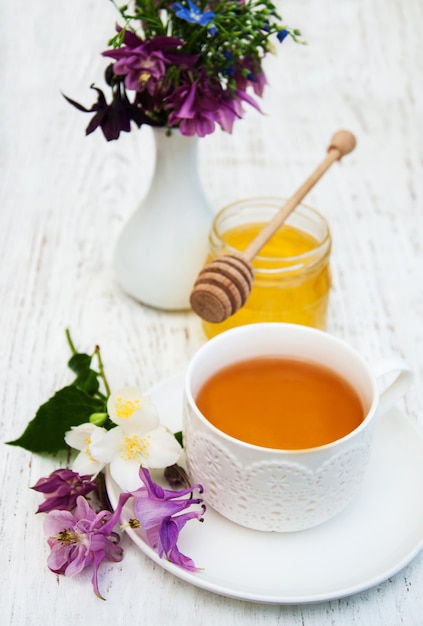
273,489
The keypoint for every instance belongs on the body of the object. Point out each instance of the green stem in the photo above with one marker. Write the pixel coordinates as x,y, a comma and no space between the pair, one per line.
102,373
70,342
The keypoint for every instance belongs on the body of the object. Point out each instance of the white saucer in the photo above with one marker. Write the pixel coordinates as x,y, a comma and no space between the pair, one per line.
374,538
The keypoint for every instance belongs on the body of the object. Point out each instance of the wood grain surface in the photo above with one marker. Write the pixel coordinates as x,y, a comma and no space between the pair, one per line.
64,199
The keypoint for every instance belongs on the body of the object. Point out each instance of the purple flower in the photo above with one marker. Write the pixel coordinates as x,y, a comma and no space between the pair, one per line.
61,490
197,106
160,513
83,538
193,107
144,63
112,118
230,109
193,14
255,77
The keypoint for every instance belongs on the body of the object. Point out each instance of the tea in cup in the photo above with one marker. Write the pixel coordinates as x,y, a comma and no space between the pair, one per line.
278,423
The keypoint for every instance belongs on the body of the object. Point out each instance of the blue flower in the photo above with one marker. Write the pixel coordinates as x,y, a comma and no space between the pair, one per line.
282,34
193,14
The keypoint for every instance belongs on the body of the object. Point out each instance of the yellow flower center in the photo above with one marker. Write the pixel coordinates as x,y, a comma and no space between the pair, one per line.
125,408
87,450
144,77
134,447
132,523
68,536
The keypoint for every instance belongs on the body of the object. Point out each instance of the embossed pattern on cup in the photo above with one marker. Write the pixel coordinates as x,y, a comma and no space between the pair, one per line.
280,494
269,489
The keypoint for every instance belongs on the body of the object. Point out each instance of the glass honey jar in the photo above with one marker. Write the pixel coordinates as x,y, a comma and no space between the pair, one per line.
291,272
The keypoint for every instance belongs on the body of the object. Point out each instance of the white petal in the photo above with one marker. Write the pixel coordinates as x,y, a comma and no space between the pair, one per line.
85,464
126,474
108,447
80,437
122,403
132,410
162,450
143,421
97,435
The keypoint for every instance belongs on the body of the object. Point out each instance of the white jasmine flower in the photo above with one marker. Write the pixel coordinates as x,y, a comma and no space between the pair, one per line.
81,438
138,439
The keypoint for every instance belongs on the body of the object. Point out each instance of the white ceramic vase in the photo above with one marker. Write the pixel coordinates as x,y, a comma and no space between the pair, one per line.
165,242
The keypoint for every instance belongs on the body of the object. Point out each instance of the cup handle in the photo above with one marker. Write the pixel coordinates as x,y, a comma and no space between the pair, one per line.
397,388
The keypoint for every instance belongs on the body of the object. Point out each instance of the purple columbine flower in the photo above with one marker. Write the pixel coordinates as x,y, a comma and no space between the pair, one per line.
160,513
61,490
193,14
231,108
144,63
255,78
83,538
112,118
193,106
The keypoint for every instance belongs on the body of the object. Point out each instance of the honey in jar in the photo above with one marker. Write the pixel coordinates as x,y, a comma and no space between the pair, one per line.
291,272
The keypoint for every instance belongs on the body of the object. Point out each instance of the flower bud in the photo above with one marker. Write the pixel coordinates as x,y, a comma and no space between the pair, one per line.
177,477
98,419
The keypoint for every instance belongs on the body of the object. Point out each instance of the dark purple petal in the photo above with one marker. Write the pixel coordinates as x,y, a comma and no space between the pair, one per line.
63,486
181,59
80,107
162,42
115,117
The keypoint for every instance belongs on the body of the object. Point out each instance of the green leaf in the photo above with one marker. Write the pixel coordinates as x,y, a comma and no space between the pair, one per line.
179,438
80,363
87,378
87,381
68,407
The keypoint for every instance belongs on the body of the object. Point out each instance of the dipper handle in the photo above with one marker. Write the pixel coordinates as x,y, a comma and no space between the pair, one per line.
343,142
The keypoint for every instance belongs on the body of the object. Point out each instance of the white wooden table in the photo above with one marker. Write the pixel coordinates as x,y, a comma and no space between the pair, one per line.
64,199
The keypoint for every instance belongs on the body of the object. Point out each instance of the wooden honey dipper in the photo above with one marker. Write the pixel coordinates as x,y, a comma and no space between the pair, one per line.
223,285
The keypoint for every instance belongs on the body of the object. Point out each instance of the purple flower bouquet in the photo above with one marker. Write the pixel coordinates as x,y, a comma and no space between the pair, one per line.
187,65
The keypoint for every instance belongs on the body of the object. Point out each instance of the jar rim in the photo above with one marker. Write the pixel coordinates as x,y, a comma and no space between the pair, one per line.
295,262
